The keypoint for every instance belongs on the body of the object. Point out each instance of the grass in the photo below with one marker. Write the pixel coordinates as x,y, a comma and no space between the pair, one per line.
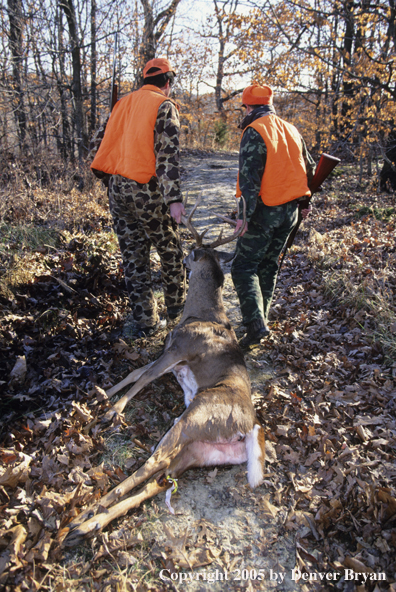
361,297
119,449
384,214
22,237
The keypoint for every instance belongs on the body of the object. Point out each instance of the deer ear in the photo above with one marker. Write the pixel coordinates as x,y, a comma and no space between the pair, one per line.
225,257
197,254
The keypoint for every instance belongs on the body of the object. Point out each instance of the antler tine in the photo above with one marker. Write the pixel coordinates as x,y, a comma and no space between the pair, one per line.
228,239
225,219
187,222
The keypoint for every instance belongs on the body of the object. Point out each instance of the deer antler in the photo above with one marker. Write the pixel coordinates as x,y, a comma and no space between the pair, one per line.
223,241
219,241
225,219
187,222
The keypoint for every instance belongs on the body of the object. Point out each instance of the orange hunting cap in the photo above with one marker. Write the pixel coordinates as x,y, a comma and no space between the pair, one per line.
157,66
257,95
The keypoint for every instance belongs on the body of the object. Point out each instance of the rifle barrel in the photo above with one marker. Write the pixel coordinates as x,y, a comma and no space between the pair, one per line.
113,92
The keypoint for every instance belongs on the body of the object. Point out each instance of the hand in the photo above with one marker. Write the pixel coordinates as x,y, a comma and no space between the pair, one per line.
177,211
239,225
305,212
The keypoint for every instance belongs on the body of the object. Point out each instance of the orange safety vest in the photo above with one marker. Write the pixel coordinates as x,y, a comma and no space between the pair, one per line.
285,173
127,148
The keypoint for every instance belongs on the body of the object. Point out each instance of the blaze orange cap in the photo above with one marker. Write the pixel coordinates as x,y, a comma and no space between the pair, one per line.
257,95
161,65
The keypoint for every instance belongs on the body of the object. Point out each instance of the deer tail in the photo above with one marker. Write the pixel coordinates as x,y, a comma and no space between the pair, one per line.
255,448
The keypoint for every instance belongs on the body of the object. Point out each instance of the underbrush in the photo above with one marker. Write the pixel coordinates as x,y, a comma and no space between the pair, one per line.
23,237
376,306
379,213
27,251
358,264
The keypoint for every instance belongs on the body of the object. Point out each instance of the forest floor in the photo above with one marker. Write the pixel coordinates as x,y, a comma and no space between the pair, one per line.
323,383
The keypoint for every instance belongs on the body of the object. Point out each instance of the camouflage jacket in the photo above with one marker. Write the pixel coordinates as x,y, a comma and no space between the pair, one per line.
253,157
166,148
167,154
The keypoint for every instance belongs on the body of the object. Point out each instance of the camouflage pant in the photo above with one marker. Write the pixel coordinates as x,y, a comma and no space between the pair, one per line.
141,219
255,266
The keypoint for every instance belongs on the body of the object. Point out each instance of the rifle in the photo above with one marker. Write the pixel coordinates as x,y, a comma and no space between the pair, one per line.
325,165
114,89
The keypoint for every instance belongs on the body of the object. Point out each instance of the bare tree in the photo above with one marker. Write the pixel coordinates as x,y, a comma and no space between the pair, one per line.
92,123
15,16
154,28
68,7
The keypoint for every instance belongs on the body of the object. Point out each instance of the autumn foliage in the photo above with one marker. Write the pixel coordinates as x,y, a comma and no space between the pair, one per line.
330,63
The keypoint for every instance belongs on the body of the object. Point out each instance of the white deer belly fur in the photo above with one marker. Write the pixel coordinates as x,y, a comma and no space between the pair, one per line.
235,451
186,379
220,453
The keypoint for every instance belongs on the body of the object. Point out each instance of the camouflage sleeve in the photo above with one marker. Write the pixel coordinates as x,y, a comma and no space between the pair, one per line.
166,148
309,161
252,159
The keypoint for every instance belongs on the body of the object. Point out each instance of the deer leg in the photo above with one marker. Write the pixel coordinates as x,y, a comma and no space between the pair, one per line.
94,525
88,525
120,490
161,366
168,448
132,377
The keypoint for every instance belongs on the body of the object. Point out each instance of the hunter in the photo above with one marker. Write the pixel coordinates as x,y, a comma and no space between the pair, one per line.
140,152
274,171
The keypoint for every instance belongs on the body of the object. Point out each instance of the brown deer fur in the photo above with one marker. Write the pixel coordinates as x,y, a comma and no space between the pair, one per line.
219,425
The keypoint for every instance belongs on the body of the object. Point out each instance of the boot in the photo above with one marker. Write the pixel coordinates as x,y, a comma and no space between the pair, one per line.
145,331
175,311
133,330
256,330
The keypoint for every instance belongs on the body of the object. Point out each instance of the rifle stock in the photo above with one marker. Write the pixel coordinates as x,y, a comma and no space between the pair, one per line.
325,165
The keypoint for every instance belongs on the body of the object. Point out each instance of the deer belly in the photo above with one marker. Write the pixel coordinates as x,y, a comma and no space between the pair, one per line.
186,379
220,453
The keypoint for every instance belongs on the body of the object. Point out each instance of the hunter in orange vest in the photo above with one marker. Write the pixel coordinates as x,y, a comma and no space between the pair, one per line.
127,130
274,170
140,152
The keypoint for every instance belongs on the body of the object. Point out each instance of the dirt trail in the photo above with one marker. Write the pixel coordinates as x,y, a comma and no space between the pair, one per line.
216,513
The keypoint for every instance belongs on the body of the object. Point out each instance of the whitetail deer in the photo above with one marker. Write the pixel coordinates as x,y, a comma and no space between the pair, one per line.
219,425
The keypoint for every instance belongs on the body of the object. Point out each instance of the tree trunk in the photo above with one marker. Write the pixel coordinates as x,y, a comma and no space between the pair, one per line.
153,32
64,140
16,36
348,86
82,141
92,122
223,36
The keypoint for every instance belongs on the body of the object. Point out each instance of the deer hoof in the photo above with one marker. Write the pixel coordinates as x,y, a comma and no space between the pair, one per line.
112,416
83,532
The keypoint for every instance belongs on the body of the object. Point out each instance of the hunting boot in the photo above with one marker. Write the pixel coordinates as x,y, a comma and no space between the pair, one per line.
175,311
256,330
133,330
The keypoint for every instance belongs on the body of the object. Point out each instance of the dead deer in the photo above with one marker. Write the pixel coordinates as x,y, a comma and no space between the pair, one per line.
219,425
